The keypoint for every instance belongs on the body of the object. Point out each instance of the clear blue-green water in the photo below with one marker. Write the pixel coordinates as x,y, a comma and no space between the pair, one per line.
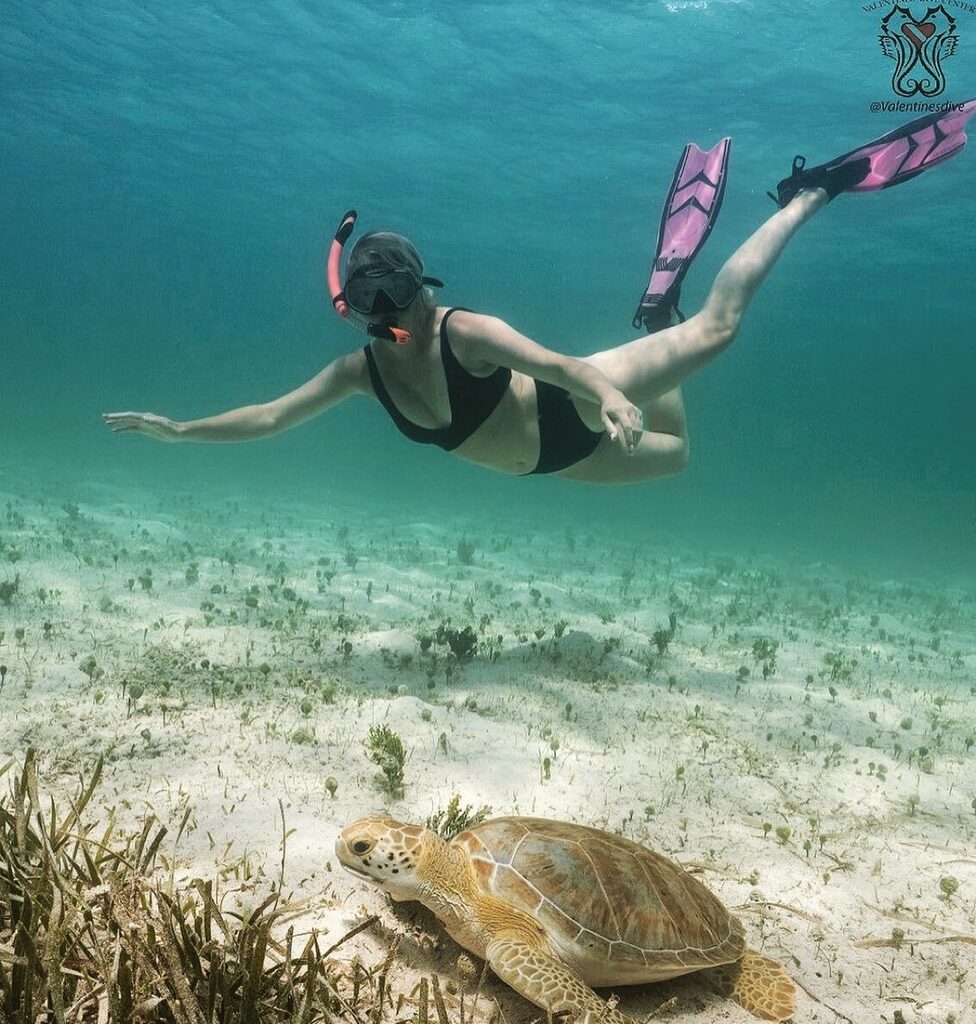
170,176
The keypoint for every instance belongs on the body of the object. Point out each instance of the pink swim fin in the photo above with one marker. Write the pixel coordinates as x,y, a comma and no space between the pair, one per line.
896,157
689,215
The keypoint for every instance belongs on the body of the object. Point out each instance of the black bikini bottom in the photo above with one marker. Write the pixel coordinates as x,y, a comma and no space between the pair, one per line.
564,439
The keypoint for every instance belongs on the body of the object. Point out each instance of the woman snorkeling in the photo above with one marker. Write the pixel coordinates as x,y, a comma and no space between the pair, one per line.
475,386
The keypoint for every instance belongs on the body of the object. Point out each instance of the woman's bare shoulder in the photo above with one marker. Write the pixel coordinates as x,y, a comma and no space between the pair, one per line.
352,371
467,323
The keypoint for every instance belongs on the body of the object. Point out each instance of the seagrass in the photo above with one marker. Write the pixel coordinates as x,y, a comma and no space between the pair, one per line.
93,931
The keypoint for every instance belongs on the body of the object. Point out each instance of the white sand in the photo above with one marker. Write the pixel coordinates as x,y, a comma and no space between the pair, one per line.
672,750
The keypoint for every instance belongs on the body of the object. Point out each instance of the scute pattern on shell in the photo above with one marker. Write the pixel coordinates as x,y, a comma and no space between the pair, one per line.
602,897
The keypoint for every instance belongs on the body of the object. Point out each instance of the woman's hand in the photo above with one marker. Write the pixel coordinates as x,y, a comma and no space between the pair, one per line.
160,427
623,420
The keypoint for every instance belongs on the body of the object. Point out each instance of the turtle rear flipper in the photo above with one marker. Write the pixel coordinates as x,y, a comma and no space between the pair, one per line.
757,984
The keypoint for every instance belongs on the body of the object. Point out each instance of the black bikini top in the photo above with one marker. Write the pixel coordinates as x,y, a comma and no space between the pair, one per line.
472,399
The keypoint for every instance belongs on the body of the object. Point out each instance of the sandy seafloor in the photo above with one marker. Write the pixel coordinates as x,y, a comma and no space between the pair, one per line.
826,804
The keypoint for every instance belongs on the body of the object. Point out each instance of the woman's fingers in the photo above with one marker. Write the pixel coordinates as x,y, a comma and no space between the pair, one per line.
635,424
625,425
636,429
125,422
621,431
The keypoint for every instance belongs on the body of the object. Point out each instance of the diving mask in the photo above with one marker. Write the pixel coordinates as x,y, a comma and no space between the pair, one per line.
377,289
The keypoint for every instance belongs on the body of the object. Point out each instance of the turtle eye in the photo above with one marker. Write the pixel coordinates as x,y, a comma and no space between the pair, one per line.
361,846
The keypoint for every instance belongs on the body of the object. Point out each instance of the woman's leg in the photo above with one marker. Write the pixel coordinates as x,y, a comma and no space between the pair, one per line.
651,366
649,369
661,451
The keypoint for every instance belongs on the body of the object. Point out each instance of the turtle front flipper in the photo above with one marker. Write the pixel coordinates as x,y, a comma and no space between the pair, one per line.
757,984
542,978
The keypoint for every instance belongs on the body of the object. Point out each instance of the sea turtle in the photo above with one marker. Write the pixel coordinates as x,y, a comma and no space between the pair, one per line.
556,908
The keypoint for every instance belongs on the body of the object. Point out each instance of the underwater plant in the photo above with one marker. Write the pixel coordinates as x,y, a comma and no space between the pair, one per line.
465,551
764,653
450,821
838,667
91,668
127,939
385,748
136,690
463,643
8,588
663,637
948,887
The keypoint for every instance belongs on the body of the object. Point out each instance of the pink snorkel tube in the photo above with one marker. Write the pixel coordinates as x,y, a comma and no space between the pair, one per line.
332,276
334,281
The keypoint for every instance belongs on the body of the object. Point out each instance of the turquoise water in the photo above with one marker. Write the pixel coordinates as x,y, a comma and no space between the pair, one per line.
171,177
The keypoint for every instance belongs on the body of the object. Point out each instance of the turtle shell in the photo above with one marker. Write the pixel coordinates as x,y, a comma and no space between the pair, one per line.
620,913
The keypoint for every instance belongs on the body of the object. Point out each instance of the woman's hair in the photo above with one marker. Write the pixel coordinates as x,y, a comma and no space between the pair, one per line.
385,247
393,250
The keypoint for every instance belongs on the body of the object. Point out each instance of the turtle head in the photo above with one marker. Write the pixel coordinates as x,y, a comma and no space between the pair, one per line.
387,853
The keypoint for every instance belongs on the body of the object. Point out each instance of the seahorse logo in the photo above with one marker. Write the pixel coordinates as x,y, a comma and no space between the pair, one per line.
918,46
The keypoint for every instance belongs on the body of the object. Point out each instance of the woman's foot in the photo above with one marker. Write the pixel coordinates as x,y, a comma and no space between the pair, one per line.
898,156
829,180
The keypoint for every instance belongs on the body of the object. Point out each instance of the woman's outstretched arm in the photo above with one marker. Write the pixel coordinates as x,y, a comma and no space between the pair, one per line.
496,343
334,384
